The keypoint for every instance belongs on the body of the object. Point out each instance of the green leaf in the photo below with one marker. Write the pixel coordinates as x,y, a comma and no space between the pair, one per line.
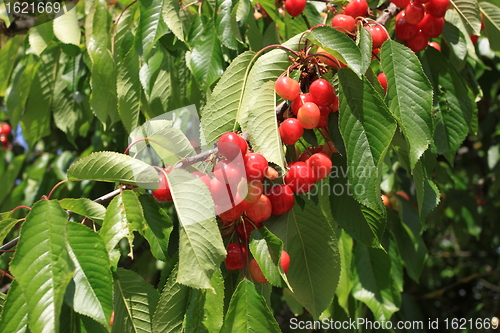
151,25
214,304
364,42
66,27
294,26
40,37
8,54
455,39
248,312
123,216
172,306
85,207
410,96
218,116
19,92
224,23
193,322
344,287
42,265
158,227
491,14
266,249
15,311
452,105
469,12
170,14
6,226
201,249
340,46
36,120
372,284
367,128
135,303
114,167
10,175
427,191
90,292
129,90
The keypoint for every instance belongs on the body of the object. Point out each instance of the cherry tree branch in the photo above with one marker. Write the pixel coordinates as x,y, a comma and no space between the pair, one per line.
388,13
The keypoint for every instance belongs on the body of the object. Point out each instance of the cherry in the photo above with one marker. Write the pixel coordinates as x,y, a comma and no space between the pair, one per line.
308,115
431,26
322,92
260,211
435,45
285,261
300,177
271,173
328,59
236,256
404,30
5,129
287,88
228,172
403,194
299,101
437,8
414,13
203,177
290,131
401,3
220,192
343,23
244,229
4,141
309,151
295,7
474,39
321,165
163,192
231,213
379,35
421,1
282,199
230,145
383,81
356,8
255,166
386,201
419,42
257,274
323,121
254,190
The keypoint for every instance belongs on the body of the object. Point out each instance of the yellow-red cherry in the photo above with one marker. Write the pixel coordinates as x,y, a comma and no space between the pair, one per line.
287,88
309,115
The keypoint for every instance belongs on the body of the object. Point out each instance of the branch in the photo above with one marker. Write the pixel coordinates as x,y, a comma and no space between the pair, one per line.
388,13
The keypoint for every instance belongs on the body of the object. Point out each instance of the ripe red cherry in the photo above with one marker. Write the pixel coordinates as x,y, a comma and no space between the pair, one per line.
308,115
379,35
295,7
231,213
401,3
437,8
236,256
260,211
323,121
431,26
322,92
254,190
163,192
309,151
255,166
220,193
285,261
419,42
244,229
415,13
5,129
321,165
230,145
299,101
290,131
421,1
4,141
383,81
356,8
229,172
474,39
282,199
435,45
287,88
257,274
203,177
300,177
405,30
343,23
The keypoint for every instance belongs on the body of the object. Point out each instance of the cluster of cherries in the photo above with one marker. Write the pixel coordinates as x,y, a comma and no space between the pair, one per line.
4,135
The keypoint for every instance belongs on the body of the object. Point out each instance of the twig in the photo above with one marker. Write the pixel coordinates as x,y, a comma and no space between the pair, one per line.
388,14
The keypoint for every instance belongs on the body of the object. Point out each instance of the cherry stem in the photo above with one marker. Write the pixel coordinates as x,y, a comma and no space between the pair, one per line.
326,56
4,273
55,187
295,53
19,207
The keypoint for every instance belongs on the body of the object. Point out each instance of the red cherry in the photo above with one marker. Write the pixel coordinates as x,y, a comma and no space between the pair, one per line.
431,26
290,131
323,121
437,8
379,35
221,193
300,177
435,45
321,165
383,81
343,23
229,172
421,1
255,166
203,177
308,115
271,173
230,214
419,42
282,199
299,101
474,39
295,7
256,272
163,192
356,8
309,151
285,261
4,141
414,13
287,88
254,190
260,211
405,30
322,92
230,145
401,3
244,229
5,129
403,194
236,256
